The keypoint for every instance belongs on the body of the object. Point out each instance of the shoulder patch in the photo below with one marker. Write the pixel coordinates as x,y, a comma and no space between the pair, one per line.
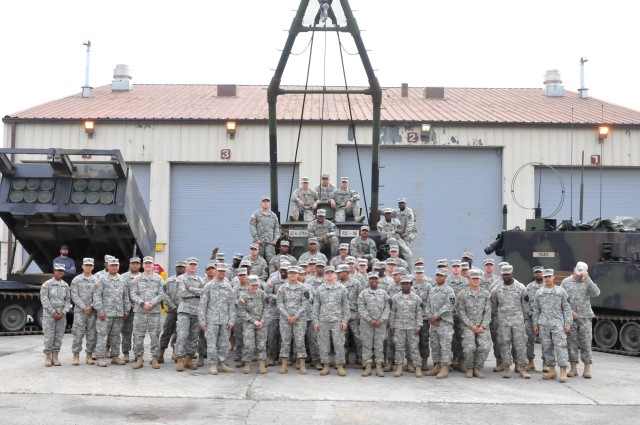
452,300
44,285
526,297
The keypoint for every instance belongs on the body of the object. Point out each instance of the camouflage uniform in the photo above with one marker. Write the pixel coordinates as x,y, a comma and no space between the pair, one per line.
311,336
111,299
405,317
363,248
307,255
330,310
217,310
259,267
353,325
442,304
373,305
254,308
408,221
341,197
238,326
389,229
189,290
292,301
512,303
55,297
551,313
488,283
423,289
82,288
318,230
532,288
324,192
338,260
308,197
265,227
474,309
274,264
580,293
172,301
457,284
273,329
147,288
401,263
127,325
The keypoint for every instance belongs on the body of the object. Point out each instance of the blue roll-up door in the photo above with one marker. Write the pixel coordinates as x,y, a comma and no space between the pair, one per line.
619,192
211,206
454,193
142,174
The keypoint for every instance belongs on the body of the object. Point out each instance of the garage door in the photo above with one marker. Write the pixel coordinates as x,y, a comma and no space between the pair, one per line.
619,192
454,193
211,206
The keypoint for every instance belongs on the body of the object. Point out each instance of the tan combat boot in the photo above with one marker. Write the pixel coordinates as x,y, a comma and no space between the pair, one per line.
76,359
563,375
155,364
418,372
90,359
444,372
425,366
530,366
246,367
367,369
574,370
200,362
102,362
523,372
325,370
125,356
434,370
139,362
180,364
223,367
213,369
388,366
499,368
341,371
54,358
398,373
117,361
47,359
262,367
469,373
317,364
302,367
188,364
507,372
410,367
478,373
284,365
272,360
551,374
161,356
379,370
545,367
587,371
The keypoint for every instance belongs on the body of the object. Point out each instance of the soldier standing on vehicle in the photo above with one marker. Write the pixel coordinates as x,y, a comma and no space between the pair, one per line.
265,229
127,326
405,321
172,300
292,300
285,249
580,288
253,308
439,312
55,297
363,247
324,189
407,218
373,308
326,232
552,320
532,288
304,200
84,316
389,228
112,303
346,202
190,288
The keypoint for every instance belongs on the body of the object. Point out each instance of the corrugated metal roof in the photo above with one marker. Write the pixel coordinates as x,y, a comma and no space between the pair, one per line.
460,105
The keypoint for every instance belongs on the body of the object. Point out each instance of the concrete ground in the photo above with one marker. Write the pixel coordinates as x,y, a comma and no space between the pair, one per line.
33,394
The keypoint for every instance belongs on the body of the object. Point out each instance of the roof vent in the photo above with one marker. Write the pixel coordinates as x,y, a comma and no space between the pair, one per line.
226,90
404,90
122,78
553,84
434,92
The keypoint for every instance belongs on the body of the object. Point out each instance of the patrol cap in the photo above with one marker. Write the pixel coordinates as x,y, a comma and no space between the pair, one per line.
351,260
223,267
344,179
488,261
548,272
312,260
301,270
363,262
181,263
212,265
254,280
456,263
581,267
112,260
406,279
220,256
342,268
58,266
468,255
292,269
329,269
344,246
312,241
107,258
87,261
324,176
305,180
134,259
304,263
400,270
418,261
391,261
238,256
506,269
441,272
284,265
538,269
404,200
418,269
378,265
147,259
442,263
265,198
475,273
245,262
320,263
373,275
192,260
285,243
394,248
388,211
464,265
365,227
503,263
254,246
321,213
243,271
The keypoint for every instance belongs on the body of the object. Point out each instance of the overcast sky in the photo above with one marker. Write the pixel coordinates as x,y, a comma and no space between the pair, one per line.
453,43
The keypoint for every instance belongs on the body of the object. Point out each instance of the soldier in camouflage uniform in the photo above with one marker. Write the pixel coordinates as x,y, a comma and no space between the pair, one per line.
394,251
346,202
457,282
407,218
285,248
304,200
217,315
487,281
473,307
84,316
292,301
439,312
105,270
405,321
580,288
259,266
147,293
253,308
313,252
240,286
532,288
361,273
172,300
311,336
324,189
353,328
552,320
265,229
389,228
55,297
326,232
235,265
127,326
511,300
273,329
373,308
422,286
190,288
330,315
341,258
362,246
112,303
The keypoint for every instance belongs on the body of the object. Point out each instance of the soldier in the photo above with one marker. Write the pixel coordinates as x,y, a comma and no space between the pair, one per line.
253,307
190,288
405,321
474,310
467,257
331,314
394,251
353,329
389,228
84,316
380,268
313,251
488,279
409,230
273,330
318,279
127,326
304,200
393,286
552,320
532,288
240,286
464,270
373,308
341,258
511,300
324,189
346,202
311,336
259,266
422,286
439,311
291,300
362,246
217,314
265,229
326,232
172,300
457,282
147,296
56,302
580,288
361,273
443,264
112,303
285,248
105,270
235,265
